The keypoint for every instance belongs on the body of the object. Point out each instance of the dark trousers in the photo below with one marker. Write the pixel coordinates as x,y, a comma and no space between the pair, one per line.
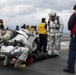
72,54
43,42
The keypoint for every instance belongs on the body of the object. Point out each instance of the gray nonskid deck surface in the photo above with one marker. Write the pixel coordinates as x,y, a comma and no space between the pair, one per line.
52,66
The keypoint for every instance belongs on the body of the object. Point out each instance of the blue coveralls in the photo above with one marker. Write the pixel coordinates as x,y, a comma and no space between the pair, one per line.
72,45
72,54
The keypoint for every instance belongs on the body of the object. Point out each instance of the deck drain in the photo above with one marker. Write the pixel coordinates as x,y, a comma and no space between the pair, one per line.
39,66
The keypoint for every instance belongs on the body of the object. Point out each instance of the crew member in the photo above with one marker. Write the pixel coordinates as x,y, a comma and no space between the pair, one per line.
42,27
72,46
55,25
1,24
19,43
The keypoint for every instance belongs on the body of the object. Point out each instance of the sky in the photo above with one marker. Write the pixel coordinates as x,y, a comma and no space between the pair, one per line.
30,12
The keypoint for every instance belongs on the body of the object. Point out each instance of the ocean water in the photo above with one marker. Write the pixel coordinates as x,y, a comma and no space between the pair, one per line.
65,44
66,34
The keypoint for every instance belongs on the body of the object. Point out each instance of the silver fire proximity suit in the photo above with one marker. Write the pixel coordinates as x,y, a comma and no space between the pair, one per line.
55,27
23,50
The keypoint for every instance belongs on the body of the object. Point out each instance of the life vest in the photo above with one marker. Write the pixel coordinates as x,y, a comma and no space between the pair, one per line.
74,29
41,28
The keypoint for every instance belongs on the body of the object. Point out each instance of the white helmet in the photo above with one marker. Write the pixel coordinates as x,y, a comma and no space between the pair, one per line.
52,13
24,32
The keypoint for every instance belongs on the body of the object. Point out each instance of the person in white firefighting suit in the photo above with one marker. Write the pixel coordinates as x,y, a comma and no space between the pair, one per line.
19,45
55,27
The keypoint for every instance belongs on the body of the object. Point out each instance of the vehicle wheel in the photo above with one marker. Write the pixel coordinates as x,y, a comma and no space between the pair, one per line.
35,45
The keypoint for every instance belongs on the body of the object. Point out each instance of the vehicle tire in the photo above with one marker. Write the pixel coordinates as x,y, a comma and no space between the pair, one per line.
35,45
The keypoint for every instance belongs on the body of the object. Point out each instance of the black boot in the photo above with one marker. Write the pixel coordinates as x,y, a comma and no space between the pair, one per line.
45,51
68,70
